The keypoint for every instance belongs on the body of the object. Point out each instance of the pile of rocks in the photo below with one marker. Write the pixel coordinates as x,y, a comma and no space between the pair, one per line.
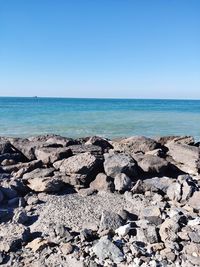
97,202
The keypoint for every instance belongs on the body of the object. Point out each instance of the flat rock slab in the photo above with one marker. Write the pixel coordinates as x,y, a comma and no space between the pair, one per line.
187,156
75,211
135,144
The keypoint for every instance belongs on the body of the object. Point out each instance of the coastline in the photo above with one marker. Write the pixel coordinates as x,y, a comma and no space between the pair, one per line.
122,202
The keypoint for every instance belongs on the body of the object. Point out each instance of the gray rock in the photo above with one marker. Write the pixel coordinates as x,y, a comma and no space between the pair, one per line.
151,234
39,172
31,199
187,191
86,191
152,164
157,183
66,248
20,169
116,163
106,249
12,235
156,152
99,141
194,201
150,211
195,237
138,202
135,144
83,163
122,182
49,155
60,140
46,184
101,183
140,236
26,147
168,230
60,231
174,192
77,180
186,156
192,252
110,221
168,254
188,140
86,235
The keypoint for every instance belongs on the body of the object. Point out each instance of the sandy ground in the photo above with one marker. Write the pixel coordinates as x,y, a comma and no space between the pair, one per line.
75,211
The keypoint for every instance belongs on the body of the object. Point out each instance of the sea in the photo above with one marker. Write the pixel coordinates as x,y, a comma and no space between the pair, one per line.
111,118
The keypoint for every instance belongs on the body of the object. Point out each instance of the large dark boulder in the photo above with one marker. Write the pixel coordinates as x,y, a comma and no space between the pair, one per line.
84,164
135,144
163,140
151,164
48,155
99,141
116,163
186,157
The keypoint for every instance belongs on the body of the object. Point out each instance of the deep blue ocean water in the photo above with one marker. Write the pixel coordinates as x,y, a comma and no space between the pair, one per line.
104,117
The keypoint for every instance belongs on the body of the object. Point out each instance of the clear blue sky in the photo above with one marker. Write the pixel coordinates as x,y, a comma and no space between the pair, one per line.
100,48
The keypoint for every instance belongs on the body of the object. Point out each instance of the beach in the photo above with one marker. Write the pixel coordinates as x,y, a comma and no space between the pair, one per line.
99,133
93,201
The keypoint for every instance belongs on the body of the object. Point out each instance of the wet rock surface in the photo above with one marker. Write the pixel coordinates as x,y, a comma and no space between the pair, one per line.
98,202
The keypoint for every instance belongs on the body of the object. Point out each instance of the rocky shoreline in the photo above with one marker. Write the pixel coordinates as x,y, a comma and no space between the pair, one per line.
97,202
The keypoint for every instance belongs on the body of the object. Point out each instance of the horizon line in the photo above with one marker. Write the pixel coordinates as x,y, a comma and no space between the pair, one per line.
105,98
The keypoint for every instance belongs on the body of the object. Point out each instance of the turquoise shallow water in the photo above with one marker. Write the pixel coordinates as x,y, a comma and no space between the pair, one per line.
105,117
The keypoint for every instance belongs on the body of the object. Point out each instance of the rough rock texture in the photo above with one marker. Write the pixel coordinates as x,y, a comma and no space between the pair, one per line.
12,236
39,172
122,182
95,202
194,201
83,163
101,183
48,155
106,249
110,221
99,141
116,163
188,140
187,156
46,184
135,144
152,164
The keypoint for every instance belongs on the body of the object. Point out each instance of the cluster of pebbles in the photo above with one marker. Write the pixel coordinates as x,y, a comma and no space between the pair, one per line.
97,202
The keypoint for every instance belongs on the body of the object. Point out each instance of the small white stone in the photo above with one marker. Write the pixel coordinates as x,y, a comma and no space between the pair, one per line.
123,230
194,222
194,254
